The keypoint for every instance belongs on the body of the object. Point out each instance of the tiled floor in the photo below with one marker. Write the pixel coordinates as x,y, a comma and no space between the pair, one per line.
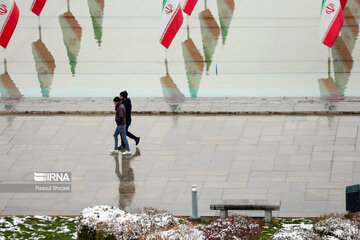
305,161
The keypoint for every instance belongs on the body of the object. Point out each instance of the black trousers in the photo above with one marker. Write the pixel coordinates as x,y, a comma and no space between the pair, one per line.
128,134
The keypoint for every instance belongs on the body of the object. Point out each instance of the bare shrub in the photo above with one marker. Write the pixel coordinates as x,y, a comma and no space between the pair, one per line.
233,227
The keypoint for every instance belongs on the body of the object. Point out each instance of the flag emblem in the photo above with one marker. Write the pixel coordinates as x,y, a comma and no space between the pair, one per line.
3,9
331,21
330,8
171,21
169,9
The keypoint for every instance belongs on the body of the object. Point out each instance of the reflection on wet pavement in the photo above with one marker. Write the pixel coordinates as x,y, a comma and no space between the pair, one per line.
44,64
96,8
126,178
72,33
225,48
342,59
305,161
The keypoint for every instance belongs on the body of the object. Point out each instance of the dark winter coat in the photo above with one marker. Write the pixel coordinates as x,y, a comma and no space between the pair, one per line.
128,107
120,115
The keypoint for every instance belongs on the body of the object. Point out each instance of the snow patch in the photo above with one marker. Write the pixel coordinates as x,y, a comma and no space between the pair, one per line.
111,220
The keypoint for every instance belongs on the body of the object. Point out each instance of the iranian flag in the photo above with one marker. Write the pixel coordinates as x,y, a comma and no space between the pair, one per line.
96,8
189,6
37,6
72,33
194,66
331,21
343,3
9,16
45,66
171,21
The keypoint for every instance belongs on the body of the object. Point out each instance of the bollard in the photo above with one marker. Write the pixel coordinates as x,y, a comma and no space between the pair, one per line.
194,202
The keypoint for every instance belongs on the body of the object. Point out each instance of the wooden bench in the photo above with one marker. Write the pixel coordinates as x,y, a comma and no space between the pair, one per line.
246,204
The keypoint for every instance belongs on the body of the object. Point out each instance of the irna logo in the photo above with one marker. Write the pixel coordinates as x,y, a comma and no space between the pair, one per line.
52,177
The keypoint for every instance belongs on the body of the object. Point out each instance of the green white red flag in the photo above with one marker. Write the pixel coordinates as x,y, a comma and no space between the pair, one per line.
189,6
171,21
226,10
210,32
170,90
329,90
37,6
45,66
194,65
72,33
8,88
343,3
9,16
96,8
331,21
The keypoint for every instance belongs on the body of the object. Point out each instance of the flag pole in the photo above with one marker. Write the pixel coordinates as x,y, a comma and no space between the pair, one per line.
39,28
68,5
166,63
329,63
5,62
205,4
187,27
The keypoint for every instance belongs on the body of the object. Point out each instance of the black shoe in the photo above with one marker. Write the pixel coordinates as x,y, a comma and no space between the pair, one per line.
121,148
137,140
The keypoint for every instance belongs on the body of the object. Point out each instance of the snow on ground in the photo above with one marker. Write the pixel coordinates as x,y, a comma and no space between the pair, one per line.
182,231
338,227
123,225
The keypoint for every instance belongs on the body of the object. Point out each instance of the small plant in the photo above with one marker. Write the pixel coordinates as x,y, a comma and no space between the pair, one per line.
338,226
233,227
108,223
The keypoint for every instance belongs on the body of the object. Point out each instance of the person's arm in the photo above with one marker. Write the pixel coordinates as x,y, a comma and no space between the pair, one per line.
122,113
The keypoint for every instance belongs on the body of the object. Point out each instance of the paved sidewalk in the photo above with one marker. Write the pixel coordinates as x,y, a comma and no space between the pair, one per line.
305,161
182,105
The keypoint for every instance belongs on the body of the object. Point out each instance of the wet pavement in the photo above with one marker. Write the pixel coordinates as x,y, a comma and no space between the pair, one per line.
304,161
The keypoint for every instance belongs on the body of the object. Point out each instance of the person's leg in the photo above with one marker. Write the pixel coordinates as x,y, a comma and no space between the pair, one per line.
116,133
123,136
129,134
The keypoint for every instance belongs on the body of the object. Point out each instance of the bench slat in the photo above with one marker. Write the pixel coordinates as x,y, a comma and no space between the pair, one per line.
245,204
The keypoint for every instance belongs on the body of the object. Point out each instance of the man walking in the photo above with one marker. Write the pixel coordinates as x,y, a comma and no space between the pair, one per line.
120,119
127,103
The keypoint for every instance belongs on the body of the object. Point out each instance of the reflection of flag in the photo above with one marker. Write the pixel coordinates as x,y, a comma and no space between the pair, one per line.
350,30
169,88
343,63
45,66
226,11
72,33
96,8
344,45
9,16
8,88
329,90
189,6
194,65
331,21
37,6
171,21
210,32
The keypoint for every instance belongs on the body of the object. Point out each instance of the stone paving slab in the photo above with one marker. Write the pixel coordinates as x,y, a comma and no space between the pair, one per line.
103,106
303,161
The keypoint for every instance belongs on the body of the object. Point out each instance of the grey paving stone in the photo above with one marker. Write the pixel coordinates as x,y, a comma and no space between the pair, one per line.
300,160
